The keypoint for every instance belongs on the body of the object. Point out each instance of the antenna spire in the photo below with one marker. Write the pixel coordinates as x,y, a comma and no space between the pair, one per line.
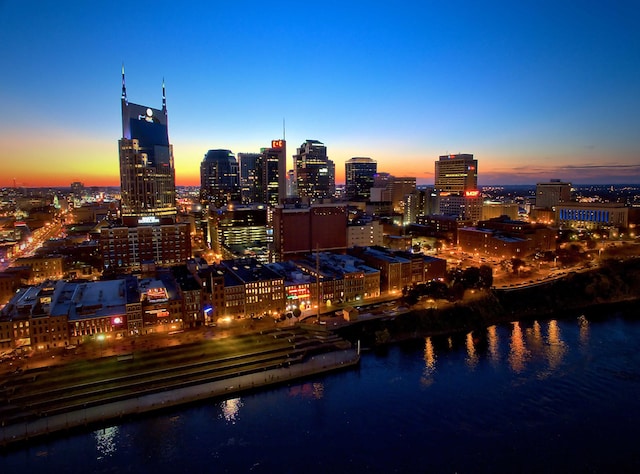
124,88
164,98
284,137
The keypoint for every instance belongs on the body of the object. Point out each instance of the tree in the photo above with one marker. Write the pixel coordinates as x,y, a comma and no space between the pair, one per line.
516,264
471,277
486,276
454,275
456,292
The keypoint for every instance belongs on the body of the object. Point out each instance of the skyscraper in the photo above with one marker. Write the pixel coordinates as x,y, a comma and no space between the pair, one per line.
147,175
249,165
315,173
272,180
359,173
456,185
456,173
238,230
219,183
149,232
391,190
549,195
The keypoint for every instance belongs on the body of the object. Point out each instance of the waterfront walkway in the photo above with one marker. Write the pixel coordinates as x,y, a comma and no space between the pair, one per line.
45,400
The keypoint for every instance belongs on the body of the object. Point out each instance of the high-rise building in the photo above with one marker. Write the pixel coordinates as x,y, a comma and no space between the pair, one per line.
401,187
219,180
456,174
456,184
249,176
391,190
77,189
298,230
131,248
273,182
263,176
238,230
419,202
315,173
549,195
147,175
149,233
292,189
359,173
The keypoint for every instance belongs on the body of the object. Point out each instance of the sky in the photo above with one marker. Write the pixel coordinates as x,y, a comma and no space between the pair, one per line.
536,90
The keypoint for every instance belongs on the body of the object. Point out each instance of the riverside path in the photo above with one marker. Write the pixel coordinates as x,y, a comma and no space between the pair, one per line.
41,401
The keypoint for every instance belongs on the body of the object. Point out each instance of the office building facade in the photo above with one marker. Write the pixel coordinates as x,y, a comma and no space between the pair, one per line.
129,248
592,216
359,174
456,173
147,175
456,185
148,233
298,230
549,195
219,178
314,172
249,166
238,230
272,183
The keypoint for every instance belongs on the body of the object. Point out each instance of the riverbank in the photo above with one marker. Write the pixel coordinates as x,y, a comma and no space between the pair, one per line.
614,285
41,402
137,405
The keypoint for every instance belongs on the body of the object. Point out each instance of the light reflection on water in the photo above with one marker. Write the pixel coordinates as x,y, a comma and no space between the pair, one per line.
106,441
492,338
313,390
519,352
535,338
526,344
230,409
583,325
539,396
472,356
429,361
556,346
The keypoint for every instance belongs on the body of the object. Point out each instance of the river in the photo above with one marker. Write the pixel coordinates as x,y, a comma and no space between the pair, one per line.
544,396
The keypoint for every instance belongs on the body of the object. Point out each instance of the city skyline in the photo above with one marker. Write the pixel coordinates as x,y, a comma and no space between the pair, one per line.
533,94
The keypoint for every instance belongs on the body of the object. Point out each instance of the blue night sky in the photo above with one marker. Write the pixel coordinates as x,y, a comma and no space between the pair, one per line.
535,90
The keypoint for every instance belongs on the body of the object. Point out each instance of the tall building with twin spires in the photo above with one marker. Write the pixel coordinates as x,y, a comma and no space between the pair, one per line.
149,234
147,174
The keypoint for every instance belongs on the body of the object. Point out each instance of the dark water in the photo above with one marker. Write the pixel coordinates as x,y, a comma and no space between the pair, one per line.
549,396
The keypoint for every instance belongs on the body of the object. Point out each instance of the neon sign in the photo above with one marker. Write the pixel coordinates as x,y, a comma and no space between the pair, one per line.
149,220
277,143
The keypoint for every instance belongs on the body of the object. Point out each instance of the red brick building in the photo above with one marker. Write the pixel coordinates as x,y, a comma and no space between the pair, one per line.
300,230
127,248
